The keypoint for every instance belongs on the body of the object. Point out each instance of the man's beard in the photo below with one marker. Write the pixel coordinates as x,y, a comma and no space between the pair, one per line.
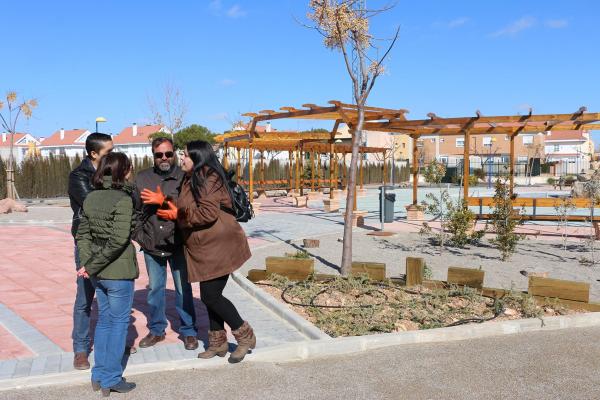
164,167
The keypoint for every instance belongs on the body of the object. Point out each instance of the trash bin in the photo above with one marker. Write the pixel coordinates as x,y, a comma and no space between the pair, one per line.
388,205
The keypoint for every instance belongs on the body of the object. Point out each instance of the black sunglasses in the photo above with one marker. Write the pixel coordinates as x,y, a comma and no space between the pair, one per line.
160,154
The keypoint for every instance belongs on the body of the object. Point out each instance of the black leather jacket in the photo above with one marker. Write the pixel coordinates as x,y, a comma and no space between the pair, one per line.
80,185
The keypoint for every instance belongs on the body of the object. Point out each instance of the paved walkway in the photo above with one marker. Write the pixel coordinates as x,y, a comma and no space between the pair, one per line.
37,291
539,365
37,284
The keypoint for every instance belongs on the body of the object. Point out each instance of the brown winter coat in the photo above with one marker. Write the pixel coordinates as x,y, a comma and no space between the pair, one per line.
214,242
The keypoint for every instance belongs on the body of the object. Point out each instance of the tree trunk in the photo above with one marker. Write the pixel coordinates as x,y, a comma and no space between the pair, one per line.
10,170
346,266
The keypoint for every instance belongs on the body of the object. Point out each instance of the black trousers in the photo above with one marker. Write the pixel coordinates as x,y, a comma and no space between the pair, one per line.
220,309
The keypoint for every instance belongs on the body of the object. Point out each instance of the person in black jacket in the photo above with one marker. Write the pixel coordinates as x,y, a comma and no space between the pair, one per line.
162,244
97,145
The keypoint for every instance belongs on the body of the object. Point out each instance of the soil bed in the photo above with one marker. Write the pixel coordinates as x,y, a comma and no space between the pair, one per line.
357,306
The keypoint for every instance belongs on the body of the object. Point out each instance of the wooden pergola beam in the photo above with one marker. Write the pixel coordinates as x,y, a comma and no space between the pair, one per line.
487,130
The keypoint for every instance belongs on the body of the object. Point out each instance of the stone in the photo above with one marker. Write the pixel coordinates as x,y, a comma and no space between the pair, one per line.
311,243
313,196
300,201
10,205
338,194
358,218
331,205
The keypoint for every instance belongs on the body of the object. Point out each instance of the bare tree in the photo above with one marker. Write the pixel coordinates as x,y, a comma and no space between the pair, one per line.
9,118
170,110
344,24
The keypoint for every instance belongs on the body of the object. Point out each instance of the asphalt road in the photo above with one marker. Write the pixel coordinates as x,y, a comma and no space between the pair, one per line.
561,364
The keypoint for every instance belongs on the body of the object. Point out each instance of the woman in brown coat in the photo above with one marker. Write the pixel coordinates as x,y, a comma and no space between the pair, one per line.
215,245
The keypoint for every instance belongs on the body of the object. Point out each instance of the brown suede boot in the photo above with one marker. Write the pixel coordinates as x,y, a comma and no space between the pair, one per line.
217,345
246,341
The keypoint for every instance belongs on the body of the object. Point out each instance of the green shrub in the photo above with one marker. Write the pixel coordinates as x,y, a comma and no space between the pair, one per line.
551,181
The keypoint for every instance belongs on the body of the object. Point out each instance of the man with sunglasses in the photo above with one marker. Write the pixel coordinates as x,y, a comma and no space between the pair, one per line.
162,245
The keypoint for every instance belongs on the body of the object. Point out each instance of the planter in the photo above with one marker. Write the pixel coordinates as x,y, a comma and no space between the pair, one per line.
331,205
415,212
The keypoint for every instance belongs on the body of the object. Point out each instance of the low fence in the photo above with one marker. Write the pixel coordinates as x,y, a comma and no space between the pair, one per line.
276,173
47,177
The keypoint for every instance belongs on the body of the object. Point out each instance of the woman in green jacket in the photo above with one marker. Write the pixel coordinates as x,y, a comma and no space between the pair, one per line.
108,259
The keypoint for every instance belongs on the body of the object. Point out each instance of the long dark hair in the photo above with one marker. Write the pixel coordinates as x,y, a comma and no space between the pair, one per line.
116,165
202,155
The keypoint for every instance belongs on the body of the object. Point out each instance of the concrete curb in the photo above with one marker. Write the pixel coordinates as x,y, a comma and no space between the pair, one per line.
313,349
283,312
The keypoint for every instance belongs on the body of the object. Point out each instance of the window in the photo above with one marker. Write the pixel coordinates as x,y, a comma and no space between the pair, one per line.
487,141
556,147
522,159
444,160
460,142
441,140
527,139
432,140
403,145
506,138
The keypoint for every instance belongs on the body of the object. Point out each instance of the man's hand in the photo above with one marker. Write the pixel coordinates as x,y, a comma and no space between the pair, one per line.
170,213
83,273
150,197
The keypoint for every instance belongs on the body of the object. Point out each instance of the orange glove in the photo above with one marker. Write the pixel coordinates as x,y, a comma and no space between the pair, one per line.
150,197
170,213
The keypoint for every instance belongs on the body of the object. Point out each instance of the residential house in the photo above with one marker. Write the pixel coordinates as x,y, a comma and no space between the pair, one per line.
65,142
135,140
24,145
571,150
483,149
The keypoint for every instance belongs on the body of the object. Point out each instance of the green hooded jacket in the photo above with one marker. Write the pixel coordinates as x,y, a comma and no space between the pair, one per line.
104,233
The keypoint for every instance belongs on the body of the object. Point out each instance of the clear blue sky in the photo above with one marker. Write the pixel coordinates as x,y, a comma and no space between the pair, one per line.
83,59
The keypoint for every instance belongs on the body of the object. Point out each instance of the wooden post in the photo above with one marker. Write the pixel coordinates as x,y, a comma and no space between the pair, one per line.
238,168
301,150
262,168
318,156
344,173
290,169
251,172
511,171
312,171
297,180
415,271
361,170
415,169
331,166
225,160
466,165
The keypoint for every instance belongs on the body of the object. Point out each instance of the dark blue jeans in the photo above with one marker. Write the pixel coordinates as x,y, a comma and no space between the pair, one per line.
81,312
115,298
184,300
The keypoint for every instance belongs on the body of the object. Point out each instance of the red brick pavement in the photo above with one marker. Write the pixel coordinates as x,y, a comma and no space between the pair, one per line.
37,281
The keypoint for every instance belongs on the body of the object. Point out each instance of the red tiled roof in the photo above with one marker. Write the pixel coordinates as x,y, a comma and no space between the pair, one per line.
69,138
142,137
18,136
565,135
260,128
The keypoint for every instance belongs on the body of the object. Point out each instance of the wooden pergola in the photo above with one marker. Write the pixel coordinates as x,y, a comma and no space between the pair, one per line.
395,121
297,144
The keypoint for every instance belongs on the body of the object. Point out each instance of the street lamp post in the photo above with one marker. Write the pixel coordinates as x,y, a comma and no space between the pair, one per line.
99,119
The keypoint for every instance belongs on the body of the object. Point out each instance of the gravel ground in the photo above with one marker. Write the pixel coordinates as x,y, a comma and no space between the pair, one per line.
532,255
542,365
